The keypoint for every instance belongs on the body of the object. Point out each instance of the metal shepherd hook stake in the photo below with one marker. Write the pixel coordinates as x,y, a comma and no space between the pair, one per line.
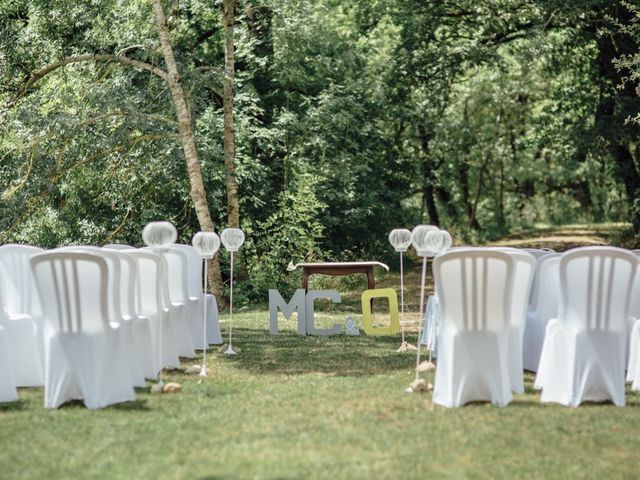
207,244
158,236
428,241
400,239
232,239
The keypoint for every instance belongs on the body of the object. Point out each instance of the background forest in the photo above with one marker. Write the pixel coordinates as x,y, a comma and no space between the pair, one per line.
350,119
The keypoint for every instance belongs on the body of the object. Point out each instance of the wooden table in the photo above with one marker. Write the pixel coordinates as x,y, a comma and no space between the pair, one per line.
338,268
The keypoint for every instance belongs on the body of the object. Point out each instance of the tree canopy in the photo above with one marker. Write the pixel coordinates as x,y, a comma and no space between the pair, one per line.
350,119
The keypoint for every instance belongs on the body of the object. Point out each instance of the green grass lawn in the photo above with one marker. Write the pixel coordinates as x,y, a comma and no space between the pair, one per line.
292,407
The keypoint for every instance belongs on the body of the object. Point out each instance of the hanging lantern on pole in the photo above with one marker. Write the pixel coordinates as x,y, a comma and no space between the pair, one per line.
419,243
206,244
232,239
429,243
158,236
400,240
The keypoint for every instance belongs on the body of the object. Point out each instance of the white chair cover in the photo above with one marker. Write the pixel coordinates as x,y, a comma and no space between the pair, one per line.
474,289
539,254
118,246
430,329
633,370
524,272
432,315
17,303
196,297
523,277
179,293
150,303
583,352
633,345
8,392
140,325
177,310
85,356
543,309
117,281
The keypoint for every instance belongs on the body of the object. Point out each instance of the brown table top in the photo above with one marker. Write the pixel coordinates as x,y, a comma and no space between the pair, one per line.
292,267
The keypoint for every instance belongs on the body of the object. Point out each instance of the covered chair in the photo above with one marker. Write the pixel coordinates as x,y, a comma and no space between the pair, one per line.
524,272
197,297
173,300
150,302
121,296
539,254
8,392
18,306
543,309
474,288
118,246
85,356
633,369
584,347
178,265
140,325
633,344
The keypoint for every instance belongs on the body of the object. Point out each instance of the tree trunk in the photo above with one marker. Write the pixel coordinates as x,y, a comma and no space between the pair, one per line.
628,172
500,217
187,138
473,220
428,192
463,171
227,97
609,119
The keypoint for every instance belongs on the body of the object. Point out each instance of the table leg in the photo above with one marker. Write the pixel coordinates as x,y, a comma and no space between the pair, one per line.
305,280
371,284
371,281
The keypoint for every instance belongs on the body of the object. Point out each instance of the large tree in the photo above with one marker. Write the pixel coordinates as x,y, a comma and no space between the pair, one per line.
16,89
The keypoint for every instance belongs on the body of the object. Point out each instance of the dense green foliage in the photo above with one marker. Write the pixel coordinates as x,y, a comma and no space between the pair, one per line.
351,118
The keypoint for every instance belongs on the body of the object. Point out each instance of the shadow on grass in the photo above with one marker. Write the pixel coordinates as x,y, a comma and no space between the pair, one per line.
16,406
290,354
135,405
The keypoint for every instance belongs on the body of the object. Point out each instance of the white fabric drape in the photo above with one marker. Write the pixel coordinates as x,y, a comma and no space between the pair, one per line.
583,355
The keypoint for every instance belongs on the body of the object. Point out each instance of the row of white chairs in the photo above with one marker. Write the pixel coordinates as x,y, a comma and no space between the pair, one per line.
572,317
103,319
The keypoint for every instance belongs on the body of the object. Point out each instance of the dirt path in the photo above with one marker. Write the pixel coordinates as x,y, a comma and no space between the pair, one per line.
563,238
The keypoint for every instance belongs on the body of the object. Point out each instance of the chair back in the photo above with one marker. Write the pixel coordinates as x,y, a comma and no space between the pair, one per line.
634,305
474,288
125,277
114,279
149,284
547,282
118,246
538,252
595,287
194,269
524,273
177,265
73,290
128,281
16,278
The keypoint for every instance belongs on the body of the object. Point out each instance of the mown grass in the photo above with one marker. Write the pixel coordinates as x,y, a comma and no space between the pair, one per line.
292,407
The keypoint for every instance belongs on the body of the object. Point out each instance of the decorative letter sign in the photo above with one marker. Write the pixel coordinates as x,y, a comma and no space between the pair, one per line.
332,295
367,321
304,306
297,303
